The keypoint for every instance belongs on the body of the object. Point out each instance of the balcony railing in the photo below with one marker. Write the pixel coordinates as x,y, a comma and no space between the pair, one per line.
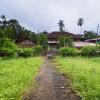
54,42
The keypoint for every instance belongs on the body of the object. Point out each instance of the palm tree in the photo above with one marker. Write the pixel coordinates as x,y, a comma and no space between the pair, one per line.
61,25
4,22
80,23
98,29
14,23
16,26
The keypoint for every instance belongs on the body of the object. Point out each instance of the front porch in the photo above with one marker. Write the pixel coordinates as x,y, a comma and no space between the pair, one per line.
54,45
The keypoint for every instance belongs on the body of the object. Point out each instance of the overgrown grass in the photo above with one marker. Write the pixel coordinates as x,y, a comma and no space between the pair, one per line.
16,75
84,74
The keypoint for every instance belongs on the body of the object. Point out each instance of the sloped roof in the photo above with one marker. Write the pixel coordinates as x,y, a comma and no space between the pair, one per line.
58,34
26,42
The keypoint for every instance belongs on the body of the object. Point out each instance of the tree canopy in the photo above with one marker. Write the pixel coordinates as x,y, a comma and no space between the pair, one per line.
61,25
65,41
89,34
42,40
13,30
80,22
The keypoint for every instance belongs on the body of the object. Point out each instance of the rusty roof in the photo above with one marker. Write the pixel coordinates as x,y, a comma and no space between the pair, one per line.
59,34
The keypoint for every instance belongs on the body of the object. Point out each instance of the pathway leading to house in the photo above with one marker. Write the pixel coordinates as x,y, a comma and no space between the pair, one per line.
52,85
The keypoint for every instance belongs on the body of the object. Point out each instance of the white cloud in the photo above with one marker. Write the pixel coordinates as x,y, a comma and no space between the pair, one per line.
44,14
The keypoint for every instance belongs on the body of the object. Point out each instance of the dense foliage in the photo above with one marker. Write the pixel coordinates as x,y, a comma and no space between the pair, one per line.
37,50
85,51
42,40
90,51
25,52
13,30
67,51
65,41
7,47
89,34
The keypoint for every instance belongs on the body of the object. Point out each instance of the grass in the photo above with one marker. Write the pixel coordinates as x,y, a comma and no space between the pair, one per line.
84,74
16,75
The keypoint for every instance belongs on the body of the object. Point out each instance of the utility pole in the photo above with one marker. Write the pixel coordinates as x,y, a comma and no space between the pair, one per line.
98,29
97,33
38,31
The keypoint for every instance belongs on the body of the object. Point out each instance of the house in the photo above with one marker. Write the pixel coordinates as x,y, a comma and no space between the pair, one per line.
83,44
93,40
53,38
26,43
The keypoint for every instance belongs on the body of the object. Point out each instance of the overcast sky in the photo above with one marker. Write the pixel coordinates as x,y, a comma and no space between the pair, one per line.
45,14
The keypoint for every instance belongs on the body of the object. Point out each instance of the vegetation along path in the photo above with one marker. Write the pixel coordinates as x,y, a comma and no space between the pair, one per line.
52,85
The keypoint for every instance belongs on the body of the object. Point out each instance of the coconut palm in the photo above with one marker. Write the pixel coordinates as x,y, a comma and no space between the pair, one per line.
14,23
16,26
80,23
4,22
61,25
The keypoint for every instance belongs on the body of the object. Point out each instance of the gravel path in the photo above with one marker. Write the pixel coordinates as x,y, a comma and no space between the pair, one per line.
52,85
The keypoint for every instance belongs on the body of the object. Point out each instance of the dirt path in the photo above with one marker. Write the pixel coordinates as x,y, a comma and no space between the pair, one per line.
52,85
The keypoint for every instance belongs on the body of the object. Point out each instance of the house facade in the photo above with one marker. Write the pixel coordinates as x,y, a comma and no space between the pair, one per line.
26,43
53,38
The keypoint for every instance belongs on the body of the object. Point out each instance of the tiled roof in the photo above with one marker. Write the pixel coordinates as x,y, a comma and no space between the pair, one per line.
26,42
59,34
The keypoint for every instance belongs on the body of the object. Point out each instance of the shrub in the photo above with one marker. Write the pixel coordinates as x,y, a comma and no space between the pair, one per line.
2,35
67,51
25,52
66,41
89,51
7,47
38,50
42,40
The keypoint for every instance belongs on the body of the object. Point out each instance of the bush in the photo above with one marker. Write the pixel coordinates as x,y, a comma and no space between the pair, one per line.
42,41
89,51
25,52
66,41
38,50
67,51
7,47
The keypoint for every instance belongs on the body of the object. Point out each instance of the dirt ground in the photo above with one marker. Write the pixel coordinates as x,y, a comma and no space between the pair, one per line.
52,85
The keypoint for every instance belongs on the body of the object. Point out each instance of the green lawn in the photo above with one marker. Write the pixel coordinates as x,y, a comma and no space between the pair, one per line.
84,74
16,75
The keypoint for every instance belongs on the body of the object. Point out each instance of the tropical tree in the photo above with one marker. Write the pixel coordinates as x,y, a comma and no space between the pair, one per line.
13,30
16,26
14,23
42,40
9,33
3,22
80,23
2,35
33,37
65,41
7,47
89,34
61,25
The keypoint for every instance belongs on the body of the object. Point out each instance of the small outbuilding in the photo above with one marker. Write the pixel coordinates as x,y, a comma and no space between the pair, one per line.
83,44
93,40
26,43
